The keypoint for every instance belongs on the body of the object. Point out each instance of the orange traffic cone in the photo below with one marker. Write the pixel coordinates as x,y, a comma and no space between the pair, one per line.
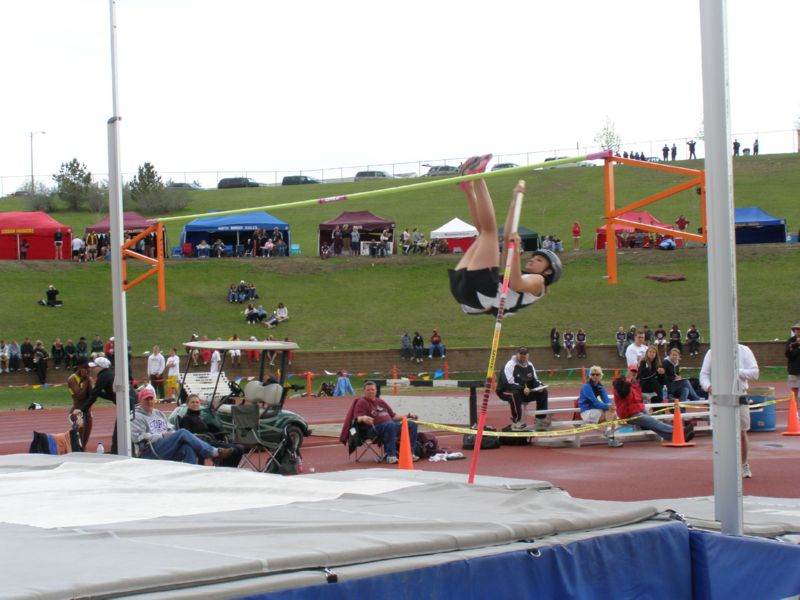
792,425
406,461
678,441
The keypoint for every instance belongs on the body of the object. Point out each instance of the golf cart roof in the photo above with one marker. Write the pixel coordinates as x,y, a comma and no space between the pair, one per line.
240,345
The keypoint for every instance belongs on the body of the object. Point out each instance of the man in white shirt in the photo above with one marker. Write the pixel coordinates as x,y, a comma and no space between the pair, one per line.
155,371
748,371
215,360
635,352
173,372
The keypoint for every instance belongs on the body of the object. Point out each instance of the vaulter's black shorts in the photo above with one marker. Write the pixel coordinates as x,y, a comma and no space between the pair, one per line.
465,285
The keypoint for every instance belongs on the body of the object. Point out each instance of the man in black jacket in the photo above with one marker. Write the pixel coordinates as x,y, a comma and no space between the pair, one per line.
793,358
519,385
103,388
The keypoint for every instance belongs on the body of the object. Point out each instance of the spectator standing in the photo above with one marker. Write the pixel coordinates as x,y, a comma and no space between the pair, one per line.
665,152
214,361
40,357
406,239
236,353
674,152
77,249
693,340
338,241
58,240
436,344
576,236
692,144
381,420
660,338
406,347
418,345
173,366
792,353
596,406
682,222
555,342
355,237
23,249
156,365
635,352
748,371
621,338
736,146
755,148
648,335
347,240
80,387
580,343
91,245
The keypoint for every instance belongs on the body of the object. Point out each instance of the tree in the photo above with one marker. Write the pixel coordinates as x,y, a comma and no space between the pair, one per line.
148,193
146,182
607,138
74,183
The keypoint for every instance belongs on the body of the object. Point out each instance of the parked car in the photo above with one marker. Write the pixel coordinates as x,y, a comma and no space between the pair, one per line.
366,175
298,180
501,166
236,182
183,186
439,170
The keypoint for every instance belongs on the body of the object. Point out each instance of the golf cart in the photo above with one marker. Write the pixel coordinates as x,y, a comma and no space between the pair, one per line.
274,424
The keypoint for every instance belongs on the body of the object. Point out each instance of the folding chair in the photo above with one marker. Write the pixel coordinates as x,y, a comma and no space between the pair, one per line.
245,433
360,444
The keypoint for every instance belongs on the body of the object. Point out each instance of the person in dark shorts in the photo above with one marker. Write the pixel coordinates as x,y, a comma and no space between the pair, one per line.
475,282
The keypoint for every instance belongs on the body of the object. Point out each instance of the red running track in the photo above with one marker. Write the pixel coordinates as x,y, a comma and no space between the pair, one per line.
637,471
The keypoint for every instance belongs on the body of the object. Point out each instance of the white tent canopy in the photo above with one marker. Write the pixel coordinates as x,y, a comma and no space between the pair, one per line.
456,228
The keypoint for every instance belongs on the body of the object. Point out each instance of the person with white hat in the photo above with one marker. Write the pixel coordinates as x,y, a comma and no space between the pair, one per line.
793,357
103,388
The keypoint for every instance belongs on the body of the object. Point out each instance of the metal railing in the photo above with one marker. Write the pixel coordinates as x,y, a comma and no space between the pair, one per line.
770,142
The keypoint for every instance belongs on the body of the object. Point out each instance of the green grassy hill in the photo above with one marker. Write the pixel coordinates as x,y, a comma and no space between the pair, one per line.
349,303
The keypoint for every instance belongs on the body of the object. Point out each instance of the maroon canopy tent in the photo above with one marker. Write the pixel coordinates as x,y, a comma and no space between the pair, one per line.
369,227
642,216
38,229
131,221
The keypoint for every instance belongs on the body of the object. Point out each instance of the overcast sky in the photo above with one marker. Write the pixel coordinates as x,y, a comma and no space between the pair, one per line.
257,86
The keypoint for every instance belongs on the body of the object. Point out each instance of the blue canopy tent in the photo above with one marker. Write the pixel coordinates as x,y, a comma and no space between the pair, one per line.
233,230
754,226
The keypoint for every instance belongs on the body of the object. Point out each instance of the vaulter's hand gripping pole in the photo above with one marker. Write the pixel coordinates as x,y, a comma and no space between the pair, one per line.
498,326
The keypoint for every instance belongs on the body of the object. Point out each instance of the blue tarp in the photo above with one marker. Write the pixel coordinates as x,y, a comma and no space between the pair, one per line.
652,563
228,227
754,226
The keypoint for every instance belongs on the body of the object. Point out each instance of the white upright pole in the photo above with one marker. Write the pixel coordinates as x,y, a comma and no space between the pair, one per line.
116,239
721,268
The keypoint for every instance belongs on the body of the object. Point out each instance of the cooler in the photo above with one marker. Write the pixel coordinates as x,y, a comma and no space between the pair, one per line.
762,418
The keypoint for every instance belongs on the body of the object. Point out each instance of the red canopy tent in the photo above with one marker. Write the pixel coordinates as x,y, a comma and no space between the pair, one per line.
38,229
131,221
643,217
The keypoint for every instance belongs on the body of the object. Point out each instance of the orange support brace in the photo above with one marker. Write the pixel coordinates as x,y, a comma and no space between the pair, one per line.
613,214
156,264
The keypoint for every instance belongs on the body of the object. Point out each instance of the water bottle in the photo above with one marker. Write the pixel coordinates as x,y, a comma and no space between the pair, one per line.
664,394
100,448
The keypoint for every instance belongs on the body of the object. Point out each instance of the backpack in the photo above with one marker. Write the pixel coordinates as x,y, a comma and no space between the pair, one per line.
427,445
488,442
514,440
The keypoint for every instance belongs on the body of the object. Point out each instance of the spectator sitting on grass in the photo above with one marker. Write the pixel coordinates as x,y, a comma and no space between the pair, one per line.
281,314
232,295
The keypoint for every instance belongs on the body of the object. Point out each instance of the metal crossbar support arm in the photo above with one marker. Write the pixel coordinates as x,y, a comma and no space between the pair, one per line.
156,264
613,213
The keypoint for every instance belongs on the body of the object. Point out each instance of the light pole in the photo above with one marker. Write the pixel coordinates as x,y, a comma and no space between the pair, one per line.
33,188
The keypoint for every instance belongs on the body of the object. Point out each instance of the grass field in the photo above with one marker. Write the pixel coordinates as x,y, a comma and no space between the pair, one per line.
350,303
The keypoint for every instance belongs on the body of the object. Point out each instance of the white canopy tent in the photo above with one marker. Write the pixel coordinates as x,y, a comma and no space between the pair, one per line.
455,228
